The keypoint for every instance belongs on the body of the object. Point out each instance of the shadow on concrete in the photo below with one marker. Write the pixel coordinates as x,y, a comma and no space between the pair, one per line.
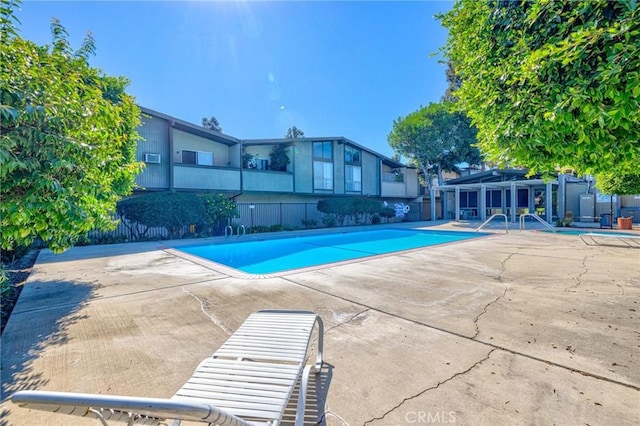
103,250
315,406
36,327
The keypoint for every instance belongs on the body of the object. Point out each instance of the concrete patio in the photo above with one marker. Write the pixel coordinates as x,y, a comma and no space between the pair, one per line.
518,328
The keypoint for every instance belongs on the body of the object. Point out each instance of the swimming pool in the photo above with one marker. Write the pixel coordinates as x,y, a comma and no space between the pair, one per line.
277,255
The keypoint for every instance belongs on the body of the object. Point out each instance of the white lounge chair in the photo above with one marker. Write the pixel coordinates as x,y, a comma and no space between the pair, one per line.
248,381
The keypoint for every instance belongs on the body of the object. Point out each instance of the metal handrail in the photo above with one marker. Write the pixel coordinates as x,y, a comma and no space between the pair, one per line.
244,231
228,231
506,222
536,217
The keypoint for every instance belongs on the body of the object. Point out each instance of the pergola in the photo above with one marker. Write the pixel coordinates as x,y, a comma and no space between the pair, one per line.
507,182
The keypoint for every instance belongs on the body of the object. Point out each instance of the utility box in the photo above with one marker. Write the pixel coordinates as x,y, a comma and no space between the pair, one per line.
587,208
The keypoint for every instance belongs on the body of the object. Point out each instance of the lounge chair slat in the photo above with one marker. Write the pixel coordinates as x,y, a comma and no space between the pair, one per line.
240,373
247,365
292,353
248,379
225,400
230,384
272,392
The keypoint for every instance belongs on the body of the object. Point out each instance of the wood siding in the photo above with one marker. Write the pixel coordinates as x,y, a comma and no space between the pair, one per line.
155,134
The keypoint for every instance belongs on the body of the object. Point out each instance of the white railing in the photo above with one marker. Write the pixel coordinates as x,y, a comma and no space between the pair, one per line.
536,217
506,222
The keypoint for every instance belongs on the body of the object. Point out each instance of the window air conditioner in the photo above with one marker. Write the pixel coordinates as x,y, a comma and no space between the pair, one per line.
152,158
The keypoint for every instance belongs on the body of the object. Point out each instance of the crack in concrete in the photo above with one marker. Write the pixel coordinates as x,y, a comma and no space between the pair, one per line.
354,316
212,317
579,277
504,293
431,388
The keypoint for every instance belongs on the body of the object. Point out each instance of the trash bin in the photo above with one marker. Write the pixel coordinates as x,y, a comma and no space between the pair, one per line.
605,220
625,222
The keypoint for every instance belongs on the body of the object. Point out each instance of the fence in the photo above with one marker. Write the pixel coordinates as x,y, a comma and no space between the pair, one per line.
282,215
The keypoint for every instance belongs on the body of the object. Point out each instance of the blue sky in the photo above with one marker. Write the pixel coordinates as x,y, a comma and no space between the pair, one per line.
329,68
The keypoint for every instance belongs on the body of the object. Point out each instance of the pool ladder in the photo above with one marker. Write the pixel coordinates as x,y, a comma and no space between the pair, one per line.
536,217
240,231
506,222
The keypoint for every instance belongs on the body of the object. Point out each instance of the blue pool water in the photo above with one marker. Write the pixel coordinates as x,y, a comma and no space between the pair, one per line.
269,256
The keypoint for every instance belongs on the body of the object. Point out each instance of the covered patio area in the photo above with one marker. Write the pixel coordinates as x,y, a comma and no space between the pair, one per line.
508,192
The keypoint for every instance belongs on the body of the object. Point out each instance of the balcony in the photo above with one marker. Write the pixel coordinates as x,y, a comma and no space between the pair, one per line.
206,178
266,181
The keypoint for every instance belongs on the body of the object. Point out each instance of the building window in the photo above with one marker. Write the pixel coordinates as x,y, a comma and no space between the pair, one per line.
322,175
323,165
200,158
352,178
351,155
323,151
189,157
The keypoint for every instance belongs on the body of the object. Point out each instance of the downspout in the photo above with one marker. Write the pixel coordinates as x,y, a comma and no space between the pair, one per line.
171,162
241,153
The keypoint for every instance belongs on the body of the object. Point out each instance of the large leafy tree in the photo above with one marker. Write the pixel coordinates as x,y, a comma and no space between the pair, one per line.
435,138
551,84
67,140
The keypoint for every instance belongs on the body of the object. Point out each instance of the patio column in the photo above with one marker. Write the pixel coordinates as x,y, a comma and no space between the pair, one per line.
562,181
532,199
503,200
548,202
483,203
432,204
457,201
514,201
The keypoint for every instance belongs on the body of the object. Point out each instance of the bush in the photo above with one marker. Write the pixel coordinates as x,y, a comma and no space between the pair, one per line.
218,210
309,223
388,212
376,219
257,229
360,209
329,221
566,221
176,211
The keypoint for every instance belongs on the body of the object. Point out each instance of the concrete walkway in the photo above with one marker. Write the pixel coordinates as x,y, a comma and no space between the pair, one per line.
519,328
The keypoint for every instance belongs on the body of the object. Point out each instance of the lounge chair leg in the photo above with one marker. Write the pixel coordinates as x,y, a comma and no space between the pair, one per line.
319,361
99,416
302,396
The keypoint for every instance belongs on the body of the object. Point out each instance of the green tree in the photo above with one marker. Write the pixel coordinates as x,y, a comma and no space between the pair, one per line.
435,139
67,140
453,83
551,84
211,124
619,183
293,133
279,157
218,210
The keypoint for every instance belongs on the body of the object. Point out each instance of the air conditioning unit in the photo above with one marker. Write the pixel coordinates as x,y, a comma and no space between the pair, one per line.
152,158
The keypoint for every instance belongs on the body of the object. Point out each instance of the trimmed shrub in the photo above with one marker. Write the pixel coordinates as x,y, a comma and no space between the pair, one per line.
359,209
